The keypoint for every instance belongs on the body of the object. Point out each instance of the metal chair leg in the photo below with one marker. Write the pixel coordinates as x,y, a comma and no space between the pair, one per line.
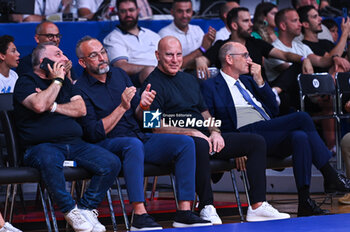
52,210
47,219
145,183
83,186
20,194
194,202
238,200
13,199
111,210
8,190
172,179
246,185
154,186
126,221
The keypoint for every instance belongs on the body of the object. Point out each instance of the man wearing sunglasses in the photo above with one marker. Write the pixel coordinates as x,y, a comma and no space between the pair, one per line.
45,32
248,104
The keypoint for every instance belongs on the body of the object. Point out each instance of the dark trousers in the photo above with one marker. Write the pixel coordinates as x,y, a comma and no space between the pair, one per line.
236,145
287,81
293,134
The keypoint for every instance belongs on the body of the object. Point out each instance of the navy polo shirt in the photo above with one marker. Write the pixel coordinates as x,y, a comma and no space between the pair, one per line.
101,100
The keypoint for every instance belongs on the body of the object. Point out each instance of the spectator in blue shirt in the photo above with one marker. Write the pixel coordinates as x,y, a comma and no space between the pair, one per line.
112,110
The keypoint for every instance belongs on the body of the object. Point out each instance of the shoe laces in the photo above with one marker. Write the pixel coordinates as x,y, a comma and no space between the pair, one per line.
76,217
210,210
269,207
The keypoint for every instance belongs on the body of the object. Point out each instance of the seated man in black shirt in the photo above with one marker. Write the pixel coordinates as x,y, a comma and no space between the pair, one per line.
46,105
184,112
311,23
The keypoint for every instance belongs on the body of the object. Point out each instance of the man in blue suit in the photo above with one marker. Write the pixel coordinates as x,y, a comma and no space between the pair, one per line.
247,104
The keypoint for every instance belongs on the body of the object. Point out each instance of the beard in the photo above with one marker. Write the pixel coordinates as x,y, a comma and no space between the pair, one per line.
127,25
100,70
243,34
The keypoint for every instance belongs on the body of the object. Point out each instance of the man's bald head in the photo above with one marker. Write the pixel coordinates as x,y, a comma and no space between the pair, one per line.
227,48
168,41
47,31
169,55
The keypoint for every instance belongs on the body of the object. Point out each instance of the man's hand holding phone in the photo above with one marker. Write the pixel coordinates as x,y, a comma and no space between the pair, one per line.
53,69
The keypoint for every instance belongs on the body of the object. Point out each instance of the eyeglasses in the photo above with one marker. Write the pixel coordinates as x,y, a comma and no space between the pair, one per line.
94,55
51,36
245,54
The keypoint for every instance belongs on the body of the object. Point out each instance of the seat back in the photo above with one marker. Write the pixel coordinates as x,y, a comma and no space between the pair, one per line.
12,144
343,88
315,84
6,104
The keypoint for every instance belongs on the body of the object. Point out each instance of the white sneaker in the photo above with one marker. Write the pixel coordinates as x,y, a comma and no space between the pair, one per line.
78,221
9,228
209,213
92,217
265,212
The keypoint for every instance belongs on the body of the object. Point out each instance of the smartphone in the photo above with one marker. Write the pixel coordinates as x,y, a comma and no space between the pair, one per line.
44,64
345,12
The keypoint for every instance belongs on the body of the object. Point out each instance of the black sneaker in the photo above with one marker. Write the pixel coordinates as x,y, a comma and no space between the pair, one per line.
310,208
186,218
144,222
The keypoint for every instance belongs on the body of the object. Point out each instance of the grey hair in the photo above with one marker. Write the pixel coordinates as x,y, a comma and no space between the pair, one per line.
82,40
224,51
39,52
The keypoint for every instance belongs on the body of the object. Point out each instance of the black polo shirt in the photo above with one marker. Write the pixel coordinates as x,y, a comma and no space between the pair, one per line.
178,97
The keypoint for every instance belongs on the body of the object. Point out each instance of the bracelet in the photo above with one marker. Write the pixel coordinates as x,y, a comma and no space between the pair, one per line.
143,107
215,129
202,49
58,81
303,58
54,107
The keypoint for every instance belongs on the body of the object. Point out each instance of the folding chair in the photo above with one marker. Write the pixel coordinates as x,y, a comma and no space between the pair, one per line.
71,174
319,84
343,95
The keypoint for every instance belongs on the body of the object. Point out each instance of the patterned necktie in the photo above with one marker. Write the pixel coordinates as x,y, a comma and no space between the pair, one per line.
247,97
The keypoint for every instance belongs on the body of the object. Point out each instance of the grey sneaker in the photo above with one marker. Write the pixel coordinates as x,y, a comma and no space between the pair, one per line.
92,217
78,221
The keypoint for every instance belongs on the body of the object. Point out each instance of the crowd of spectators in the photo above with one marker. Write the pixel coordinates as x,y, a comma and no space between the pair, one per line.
94,119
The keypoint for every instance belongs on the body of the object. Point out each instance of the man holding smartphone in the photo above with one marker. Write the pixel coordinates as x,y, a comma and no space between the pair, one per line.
46,105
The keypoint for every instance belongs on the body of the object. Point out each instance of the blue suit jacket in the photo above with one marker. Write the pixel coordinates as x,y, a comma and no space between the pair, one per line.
220,103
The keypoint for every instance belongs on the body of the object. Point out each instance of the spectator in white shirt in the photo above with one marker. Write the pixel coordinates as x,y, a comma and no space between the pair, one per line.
130,47
192,38
9,58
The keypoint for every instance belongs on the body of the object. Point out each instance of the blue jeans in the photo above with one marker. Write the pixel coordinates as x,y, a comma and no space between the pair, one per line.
49,157
160,149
